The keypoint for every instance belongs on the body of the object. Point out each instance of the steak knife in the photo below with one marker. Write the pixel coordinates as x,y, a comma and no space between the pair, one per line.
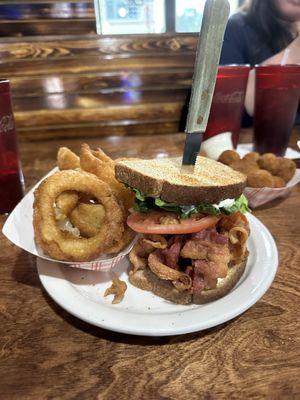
215,17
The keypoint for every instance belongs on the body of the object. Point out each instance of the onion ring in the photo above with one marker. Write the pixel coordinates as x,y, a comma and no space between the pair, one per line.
88,218
96,163
127,237
66,159
62,246
66,202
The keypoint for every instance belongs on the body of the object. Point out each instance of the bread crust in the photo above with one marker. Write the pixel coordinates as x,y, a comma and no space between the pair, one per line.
179,193
146,280
187,195
225,286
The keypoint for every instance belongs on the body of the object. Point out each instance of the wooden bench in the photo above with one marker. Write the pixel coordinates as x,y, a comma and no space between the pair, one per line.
97,85
84,84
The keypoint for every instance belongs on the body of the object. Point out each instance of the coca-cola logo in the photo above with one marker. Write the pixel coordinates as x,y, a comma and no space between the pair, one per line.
235,97
7,123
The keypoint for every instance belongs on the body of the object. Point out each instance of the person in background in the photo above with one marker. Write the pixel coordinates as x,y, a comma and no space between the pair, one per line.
264,32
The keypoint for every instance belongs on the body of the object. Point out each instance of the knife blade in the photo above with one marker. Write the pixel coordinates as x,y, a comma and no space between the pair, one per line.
215,17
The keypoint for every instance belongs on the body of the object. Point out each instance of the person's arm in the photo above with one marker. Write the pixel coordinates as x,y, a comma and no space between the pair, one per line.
292,57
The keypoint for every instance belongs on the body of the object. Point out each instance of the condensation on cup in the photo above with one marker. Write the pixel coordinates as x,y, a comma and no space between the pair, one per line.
11,177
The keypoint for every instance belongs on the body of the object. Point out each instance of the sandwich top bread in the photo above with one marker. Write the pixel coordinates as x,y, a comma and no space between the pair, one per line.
211,182
194,231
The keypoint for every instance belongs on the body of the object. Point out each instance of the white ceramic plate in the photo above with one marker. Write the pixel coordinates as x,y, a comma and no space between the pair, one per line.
80,292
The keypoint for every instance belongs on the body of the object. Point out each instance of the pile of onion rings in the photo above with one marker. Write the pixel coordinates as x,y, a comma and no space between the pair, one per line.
80,212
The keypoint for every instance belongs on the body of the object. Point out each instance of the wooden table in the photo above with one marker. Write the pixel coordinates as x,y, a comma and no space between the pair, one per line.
45,353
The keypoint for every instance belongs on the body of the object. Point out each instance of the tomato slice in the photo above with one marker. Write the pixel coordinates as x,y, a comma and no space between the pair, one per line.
150,223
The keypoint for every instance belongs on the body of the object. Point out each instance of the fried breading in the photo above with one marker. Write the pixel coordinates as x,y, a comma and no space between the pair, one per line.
259,179
96,163
117,289
66,159
287,169
66,202
269,162
88,218
228,157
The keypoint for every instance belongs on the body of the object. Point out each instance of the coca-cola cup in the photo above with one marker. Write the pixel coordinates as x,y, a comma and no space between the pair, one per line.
277,93
228,102
11,177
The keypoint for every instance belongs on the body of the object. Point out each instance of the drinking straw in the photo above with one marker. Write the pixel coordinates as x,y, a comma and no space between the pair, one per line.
285,56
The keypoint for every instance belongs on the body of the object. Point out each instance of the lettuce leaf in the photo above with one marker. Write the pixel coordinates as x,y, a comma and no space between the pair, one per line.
146,204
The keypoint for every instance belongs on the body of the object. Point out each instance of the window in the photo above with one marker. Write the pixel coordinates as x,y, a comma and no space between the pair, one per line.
189,14
151,16
131,16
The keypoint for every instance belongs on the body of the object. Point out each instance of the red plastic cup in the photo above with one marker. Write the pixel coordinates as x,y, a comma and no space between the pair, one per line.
277,95
228,101
11,177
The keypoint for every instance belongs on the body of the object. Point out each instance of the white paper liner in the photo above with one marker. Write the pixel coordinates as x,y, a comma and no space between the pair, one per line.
258,197
18,229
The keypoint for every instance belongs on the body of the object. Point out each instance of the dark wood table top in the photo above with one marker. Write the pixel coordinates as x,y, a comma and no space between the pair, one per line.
45,353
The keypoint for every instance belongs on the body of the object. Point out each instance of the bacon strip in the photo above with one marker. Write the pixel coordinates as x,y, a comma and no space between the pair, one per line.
179,279
196,249
137,257
238,235
233,220
198,282
171,254
211,235
151,242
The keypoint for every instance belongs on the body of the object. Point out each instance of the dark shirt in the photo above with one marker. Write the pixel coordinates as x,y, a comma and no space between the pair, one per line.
242,44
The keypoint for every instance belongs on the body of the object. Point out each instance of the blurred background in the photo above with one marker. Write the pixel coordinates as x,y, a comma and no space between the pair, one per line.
33,17
127,74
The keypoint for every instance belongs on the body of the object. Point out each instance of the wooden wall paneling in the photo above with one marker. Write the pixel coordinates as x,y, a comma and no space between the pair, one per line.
35,18
100,85
4,2
60,67
117,128
121,81
80,46
61,101
139,112
39,10
48,27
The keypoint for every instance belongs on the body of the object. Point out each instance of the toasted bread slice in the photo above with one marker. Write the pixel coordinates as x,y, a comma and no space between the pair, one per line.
224,285
211,182
146,280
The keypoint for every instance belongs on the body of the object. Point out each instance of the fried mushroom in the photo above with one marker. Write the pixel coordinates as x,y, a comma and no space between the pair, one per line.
245,167
253,156
269,162
278,182
260,179
287,169
228,157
